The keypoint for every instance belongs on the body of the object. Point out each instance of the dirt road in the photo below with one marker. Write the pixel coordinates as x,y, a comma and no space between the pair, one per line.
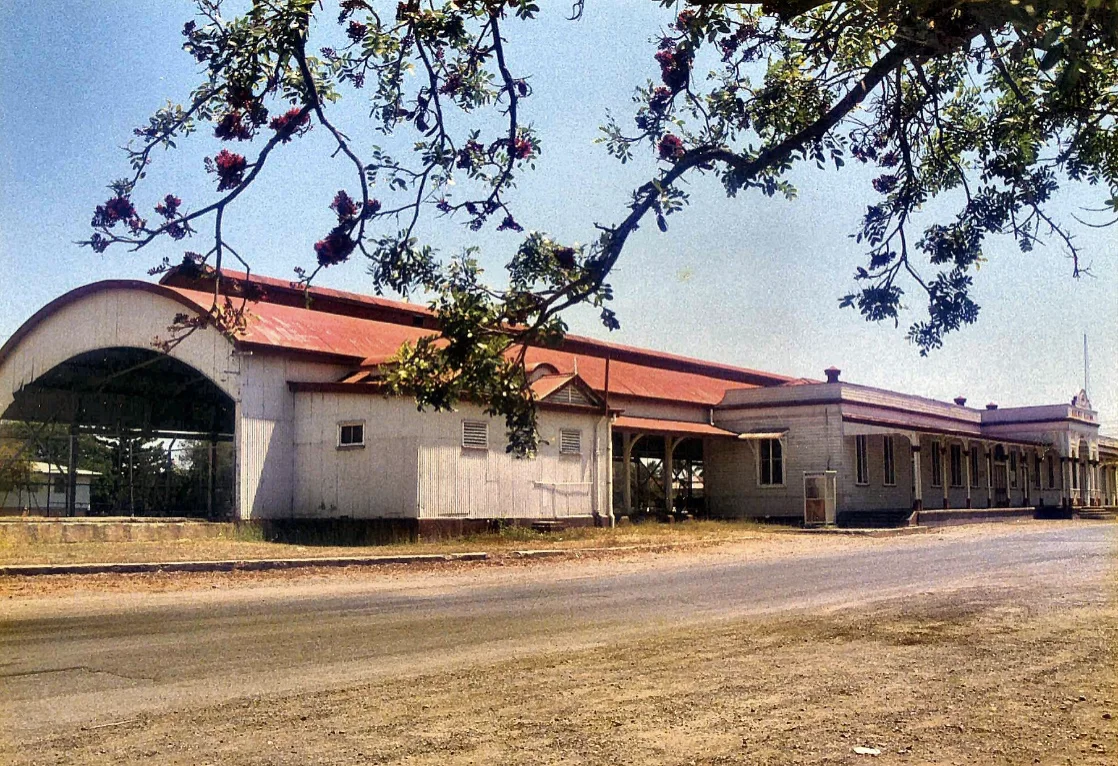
254,672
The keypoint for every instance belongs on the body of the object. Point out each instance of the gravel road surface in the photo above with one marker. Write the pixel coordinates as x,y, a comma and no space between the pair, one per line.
95,659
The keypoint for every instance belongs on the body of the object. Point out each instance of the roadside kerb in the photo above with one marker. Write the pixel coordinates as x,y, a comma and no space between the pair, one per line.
242,565
251,565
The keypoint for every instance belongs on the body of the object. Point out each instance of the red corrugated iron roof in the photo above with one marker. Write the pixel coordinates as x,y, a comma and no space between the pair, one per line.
657,426
636,380
546,385
287,328
326,300
353,340
330,327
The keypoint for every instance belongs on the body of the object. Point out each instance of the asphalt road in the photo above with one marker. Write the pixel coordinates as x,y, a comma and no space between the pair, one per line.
91,660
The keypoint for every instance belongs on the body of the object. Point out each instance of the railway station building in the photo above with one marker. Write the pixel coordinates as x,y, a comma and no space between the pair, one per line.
290,421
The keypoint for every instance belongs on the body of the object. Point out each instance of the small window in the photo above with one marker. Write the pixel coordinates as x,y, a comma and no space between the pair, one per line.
351,434
937,465
570,441
888,461
60,483
861,460
974,465
772,463
475,434
956,465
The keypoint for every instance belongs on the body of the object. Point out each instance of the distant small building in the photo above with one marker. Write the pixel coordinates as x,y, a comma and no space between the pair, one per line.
43,493
625,431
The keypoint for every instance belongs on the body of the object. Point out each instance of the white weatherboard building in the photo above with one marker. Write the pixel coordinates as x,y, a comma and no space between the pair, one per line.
625,431
43,488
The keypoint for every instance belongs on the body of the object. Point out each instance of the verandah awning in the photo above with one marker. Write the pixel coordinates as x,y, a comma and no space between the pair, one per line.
670,427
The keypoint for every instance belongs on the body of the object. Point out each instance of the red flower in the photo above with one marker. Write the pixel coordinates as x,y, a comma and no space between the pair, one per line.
229,167
521,148
675,67
670,147
345,207
356,31
232,126
335,248
169,207
291,123
115,210
885,183
659,100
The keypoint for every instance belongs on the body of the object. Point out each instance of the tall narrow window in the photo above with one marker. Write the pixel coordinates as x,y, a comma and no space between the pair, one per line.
887,461
956,465
974,465
861,460
1013,470
1051,472
1036,471
937,465
772,463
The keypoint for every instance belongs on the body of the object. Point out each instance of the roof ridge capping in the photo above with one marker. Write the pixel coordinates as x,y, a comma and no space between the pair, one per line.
177,277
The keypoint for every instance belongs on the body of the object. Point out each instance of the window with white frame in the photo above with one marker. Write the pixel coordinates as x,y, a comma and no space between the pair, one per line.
1013,470
1036,471
771,454
956,465
937,465
570,441
888,461
974,465
351,434
1051,472
475,434
861,461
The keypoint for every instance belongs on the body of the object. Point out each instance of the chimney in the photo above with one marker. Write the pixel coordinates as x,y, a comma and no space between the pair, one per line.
832,374
991,406
961,401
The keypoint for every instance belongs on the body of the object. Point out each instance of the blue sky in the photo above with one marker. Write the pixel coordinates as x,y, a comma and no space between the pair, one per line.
749,281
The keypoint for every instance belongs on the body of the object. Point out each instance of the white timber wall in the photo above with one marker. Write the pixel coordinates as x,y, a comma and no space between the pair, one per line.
267,434
118,317
41,497
813,442
482,484
374,481
413,464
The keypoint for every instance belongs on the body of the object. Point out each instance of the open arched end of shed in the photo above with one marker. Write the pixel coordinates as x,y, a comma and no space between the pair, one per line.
119,431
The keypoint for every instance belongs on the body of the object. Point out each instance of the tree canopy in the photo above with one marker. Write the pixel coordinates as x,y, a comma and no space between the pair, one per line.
985,106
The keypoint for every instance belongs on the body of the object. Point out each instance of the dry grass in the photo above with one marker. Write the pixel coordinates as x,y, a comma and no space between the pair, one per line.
244,547
986,676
